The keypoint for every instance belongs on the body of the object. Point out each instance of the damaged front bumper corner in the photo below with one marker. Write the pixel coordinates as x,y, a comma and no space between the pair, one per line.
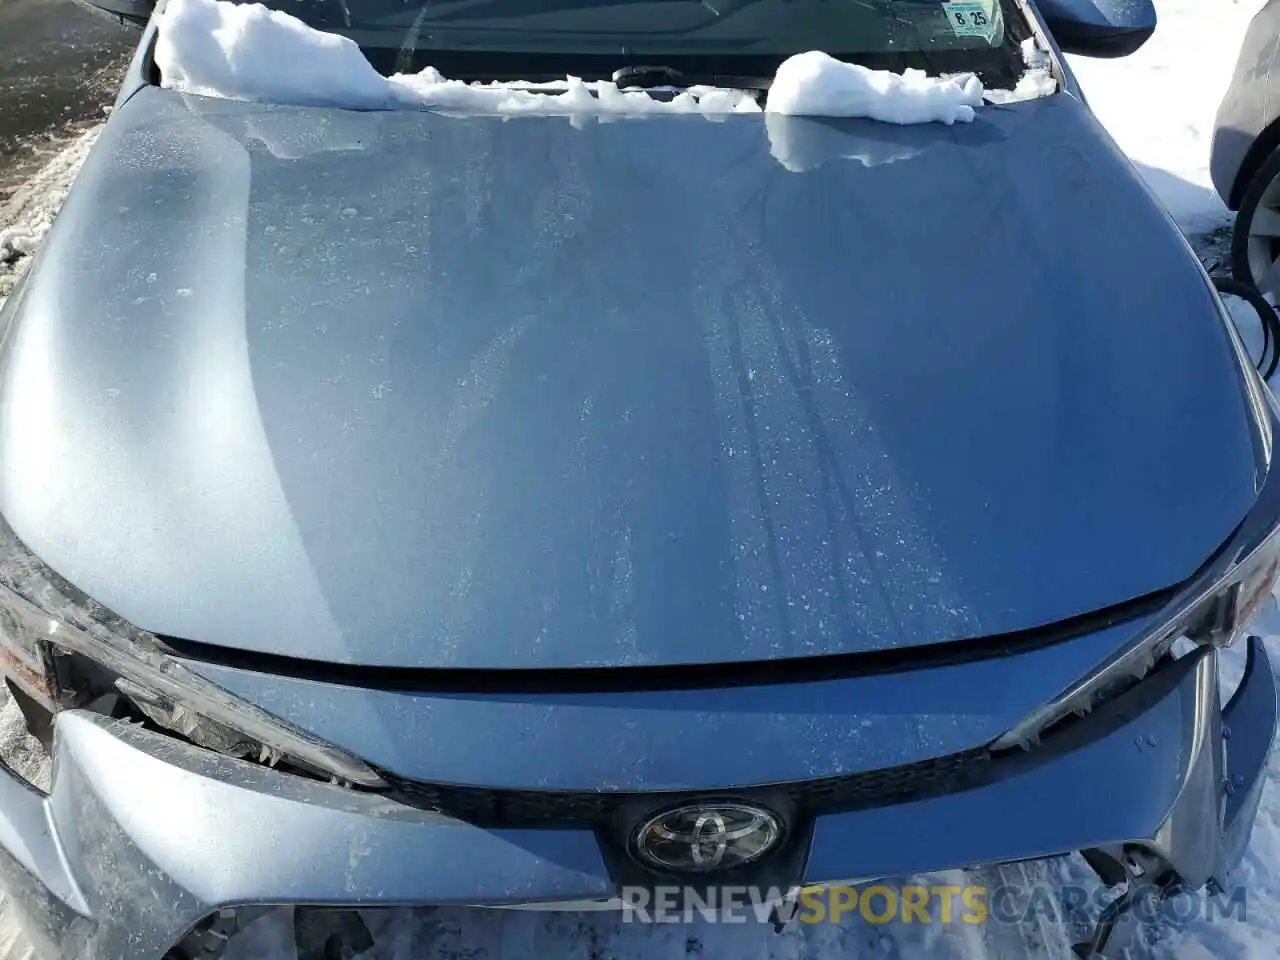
144,837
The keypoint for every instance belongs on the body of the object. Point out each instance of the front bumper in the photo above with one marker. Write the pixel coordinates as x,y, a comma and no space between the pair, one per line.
143,837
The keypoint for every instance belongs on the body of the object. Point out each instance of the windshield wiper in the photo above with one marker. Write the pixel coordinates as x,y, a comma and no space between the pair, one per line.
648,76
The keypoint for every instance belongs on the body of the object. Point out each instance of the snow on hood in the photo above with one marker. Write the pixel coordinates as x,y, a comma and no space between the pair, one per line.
817,84
248,52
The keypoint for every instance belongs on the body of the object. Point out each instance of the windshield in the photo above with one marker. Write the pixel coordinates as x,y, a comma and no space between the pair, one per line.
545,39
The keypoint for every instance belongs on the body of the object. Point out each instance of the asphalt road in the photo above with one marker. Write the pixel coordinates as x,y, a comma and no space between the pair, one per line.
59,66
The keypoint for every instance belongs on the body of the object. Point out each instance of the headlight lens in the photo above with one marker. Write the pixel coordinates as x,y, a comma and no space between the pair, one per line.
1217,615
42,616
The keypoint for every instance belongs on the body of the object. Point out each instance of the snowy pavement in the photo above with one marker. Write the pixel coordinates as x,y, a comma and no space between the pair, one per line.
58,65
28,213
1159,105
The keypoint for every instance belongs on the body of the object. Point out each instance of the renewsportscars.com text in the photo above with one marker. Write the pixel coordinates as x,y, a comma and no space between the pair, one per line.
911,904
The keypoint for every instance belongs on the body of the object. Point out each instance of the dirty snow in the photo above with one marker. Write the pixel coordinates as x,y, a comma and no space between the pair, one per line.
20,749
27,215
1159,105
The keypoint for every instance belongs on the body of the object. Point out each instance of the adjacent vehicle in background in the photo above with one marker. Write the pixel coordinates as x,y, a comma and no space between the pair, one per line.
411,506
1245,159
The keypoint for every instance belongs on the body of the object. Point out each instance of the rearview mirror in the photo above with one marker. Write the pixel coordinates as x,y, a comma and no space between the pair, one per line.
130,12
1099,28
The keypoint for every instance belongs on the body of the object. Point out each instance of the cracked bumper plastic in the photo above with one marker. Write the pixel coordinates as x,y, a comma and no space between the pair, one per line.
142,836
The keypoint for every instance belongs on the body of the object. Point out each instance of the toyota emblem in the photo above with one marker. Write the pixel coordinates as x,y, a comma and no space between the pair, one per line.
703,837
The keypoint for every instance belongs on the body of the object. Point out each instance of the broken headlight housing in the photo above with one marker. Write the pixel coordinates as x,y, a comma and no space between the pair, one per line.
1213,610
63,650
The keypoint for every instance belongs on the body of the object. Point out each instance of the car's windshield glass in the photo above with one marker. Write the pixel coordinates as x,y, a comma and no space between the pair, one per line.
533,39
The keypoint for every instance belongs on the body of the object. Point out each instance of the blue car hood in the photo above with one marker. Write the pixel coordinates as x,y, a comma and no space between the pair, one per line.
417,390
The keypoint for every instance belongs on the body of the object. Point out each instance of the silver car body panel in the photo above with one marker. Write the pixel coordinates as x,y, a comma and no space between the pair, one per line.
1249,108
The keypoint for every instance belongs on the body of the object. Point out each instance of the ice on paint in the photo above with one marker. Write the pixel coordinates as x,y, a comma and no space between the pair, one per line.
248,52
1159,105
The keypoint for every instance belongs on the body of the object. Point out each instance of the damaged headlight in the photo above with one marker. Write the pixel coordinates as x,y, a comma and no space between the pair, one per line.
46,626
1216,613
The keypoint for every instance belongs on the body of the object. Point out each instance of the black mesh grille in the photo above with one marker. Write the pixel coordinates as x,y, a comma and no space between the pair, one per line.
530,808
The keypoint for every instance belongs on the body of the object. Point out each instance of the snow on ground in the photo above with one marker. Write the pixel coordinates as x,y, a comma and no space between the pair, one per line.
28,213
1159,105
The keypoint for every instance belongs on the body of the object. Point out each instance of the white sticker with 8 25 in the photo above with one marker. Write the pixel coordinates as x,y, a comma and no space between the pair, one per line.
972,18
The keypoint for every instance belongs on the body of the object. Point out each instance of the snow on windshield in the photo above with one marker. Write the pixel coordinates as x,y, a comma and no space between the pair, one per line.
1038,81
815,84
248,52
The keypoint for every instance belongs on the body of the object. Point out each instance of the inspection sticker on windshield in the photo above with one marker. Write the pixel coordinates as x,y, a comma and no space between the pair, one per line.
972,18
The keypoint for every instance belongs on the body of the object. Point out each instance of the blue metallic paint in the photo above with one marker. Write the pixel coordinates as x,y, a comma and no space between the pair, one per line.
1102,28
1146,780
170,820
228,264
680,739
415,390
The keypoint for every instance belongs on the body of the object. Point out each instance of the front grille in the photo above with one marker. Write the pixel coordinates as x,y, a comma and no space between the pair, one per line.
875,788
496,808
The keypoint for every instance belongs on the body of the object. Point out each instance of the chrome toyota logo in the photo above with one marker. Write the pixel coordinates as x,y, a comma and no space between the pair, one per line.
702,837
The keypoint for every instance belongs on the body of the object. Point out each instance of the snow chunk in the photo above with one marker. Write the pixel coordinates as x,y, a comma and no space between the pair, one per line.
429,88
1038,81
1034,55
247,52
816,84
